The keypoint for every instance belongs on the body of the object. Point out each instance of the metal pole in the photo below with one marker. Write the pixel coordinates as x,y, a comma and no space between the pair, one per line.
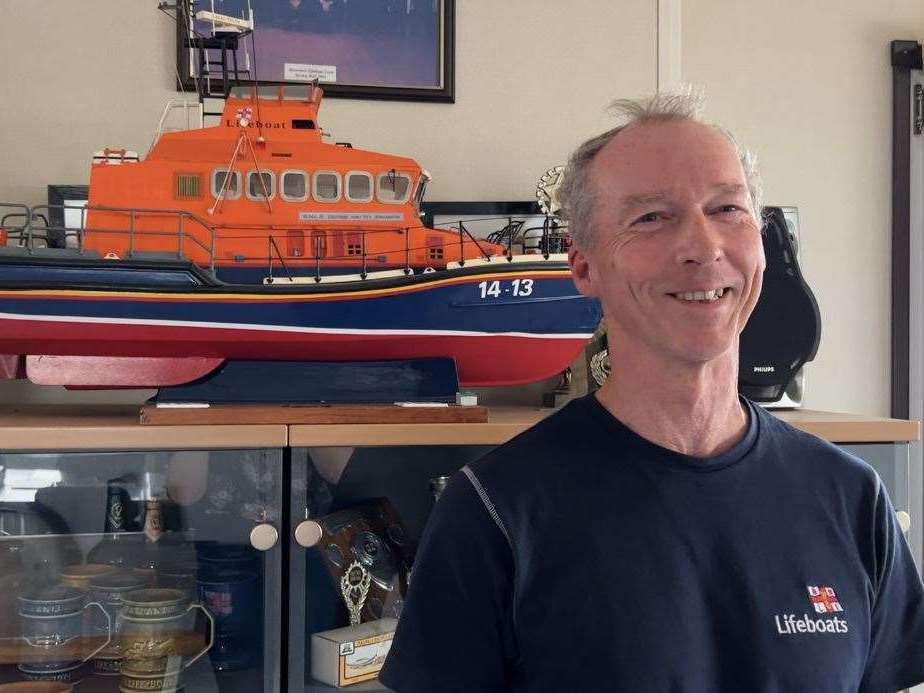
461,244
407,251
317,258
131,232
509,239
363,273
212,250
179,245
545,238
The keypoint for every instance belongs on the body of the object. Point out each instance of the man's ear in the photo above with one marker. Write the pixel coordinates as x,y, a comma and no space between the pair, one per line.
581,272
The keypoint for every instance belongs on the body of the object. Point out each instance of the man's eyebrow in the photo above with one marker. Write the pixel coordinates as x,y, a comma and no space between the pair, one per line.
629,202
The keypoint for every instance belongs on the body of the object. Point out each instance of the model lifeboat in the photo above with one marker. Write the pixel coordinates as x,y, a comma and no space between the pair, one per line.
256,240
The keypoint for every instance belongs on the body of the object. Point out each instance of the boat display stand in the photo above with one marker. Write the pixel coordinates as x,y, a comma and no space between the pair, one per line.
239,392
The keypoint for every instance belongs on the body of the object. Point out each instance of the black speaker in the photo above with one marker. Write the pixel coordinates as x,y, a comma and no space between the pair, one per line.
784,330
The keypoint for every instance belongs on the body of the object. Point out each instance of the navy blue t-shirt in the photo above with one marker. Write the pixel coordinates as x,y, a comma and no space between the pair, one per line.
583,557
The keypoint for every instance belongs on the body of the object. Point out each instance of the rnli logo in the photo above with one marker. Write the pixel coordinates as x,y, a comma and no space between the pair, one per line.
244,116
825,602
824,599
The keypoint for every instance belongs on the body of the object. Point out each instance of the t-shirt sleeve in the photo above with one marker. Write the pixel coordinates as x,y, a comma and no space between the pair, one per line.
455,633
896,656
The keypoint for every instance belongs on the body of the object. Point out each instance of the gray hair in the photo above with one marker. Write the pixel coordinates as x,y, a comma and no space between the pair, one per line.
577,194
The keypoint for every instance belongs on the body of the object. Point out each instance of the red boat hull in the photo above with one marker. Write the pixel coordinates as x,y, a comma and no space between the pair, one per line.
481,360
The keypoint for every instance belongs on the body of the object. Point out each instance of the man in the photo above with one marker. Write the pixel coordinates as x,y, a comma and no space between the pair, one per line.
665,534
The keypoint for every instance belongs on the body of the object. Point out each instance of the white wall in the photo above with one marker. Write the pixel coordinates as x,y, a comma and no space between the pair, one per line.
806,83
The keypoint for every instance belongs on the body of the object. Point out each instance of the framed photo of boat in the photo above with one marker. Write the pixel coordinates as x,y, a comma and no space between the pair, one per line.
377,49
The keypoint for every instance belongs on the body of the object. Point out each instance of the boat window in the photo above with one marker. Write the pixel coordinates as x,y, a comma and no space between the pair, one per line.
434,247
354,244
233,186
260,185
326,186
188,186
297,92
241,92
294,186
421,191
318,244
359,186
268,92
393,187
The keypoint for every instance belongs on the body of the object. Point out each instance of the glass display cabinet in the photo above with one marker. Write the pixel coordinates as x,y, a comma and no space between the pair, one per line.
141,570
257,558
361,495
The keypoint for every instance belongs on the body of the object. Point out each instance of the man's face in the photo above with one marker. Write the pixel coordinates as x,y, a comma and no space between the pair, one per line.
672,216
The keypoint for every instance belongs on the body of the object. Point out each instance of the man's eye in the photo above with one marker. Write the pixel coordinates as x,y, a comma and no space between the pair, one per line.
730,209
647,218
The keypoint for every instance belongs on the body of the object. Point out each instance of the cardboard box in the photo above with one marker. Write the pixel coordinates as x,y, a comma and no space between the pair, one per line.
353,654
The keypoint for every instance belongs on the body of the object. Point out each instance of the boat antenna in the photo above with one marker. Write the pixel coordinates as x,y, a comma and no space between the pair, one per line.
256,82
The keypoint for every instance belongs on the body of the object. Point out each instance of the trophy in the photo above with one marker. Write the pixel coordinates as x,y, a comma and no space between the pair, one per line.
354,586
368,554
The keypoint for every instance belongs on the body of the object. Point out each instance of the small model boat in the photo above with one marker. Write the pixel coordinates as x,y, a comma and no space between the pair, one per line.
255,239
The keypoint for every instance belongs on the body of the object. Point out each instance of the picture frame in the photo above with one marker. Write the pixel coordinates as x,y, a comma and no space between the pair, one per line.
383,49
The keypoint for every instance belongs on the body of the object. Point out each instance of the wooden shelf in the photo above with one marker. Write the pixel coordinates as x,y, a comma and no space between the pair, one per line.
117,427
506,422
851,428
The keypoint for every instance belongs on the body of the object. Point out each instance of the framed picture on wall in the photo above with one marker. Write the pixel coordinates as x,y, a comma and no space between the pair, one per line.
374,49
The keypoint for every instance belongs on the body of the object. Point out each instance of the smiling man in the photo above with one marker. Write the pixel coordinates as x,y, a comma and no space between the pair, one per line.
664,534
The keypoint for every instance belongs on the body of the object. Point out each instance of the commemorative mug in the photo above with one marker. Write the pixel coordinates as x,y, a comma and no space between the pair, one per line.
161,674
108,590
151,623
68,673
53,616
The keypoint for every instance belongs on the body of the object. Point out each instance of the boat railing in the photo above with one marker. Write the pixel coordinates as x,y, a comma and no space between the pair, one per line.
177,223
14,219
550,238
193,108
46,226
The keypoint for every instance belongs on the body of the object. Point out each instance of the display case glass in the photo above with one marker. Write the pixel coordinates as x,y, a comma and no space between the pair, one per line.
141,571
357,514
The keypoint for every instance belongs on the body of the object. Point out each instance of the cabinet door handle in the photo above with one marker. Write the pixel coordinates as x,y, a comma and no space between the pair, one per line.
904,520
263,537
308,533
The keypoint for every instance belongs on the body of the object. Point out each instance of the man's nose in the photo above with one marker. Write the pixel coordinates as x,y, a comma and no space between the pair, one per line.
698,240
